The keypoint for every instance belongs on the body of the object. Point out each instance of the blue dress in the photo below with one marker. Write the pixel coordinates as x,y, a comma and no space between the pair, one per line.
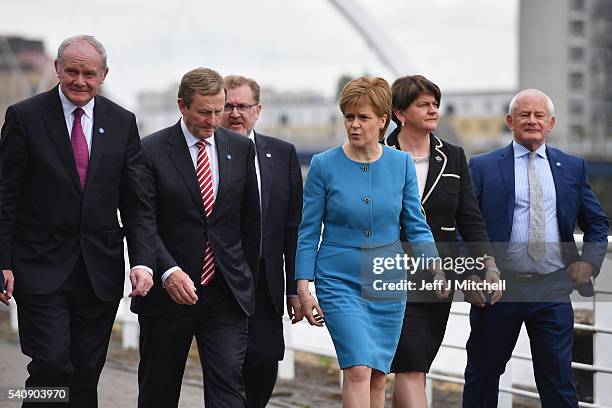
361,206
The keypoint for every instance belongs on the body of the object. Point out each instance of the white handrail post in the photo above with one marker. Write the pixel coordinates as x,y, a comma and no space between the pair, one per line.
505,398
429,391
13,315
286,367
602,382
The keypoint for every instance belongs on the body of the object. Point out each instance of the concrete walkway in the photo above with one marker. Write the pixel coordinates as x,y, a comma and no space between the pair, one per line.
118,385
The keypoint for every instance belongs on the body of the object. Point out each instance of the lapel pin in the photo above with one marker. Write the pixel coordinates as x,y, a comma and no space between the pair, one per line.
229,157
438,159
558,164
268,155
101,130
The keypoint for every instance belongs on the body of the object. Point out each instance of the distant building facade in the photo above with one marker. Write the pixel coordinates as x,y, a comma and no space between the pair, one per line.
565,49
25,69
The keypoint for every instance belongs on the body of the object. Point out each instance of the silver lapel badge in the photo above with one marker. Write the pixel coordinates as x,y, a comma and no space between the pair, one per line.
268,155
229,157
101,130
438,159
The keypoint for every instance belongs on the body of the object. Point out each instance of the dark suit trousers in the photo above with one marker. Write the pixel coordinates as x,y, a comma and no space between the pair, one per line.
66,333
495,330
220,328
266,346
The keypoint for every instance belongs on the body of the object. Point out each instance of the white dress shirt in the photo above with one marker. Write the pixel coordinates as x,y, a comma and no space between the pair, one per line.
252,137
86,120
213,158
87,124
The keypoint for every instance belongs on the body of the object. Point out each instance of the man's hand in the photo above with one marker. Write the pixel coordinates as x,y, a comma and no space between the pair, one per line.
580,272
181,288
475,297
294,309
440,285
142,282
9,284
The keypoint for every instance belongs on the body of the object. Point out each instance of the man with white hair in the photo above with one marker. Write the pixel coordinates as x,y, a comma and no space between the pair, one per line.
70,159
531,196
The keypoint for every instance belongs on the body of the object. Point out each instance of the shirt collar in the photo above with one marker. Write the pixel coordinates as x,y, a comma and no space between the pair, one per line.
251,136
68,107
191,139
520,150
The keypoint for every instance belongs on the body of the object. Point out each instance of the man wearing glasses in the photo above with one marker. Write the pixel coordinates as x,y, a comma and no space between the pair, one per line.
280,186
202,182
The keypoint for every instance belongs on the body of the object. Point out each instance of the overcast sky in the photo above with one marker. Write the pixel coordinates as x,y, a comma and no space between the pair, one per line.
284,44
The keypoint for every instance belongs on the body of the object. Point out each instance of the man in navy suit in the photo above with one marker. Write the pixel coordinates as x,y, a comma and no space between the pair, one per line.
531,196
280,185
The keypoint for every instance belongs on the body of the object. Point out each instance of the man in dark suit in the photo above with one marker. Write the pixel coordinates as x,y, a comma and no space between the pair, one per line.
280,185
70,159
202,181
531,196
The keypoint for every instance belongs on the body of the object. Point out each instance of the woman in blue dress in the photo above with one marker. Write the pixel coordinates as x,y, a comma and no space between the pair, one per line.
361,193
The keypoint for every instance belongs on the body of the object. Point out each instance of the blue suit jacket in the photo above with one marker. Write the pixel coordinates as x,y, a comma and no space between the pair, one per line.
493,177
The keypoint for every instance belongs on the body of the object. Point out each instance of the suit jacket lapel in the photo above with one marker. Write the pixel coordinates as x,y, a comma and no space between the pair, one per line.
99,137
437,164
506,164
556,168
266,173
179,154
56,125
224,160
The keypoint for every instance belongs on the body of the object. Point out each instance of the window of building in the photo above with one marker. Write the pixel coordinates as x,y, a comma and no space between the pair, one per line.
577,130
577,5
577,81
576,54
576,107
577,27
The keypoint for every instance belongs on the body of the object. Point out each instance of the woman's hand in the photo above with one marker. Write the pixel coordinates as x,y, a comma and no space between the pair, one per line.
440,284
310,307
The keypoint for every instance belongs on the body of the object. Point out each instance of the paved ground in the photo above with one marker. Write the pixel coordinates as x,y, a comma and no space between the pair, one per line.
315,385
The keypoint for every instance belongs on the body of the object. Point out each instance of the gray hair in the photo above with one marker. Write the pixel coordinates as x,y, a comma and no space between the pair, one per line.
89,39
549,102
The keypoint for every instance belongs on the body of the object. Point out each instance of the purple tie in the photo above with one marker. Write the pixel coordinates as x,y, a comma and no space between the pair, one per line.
79,147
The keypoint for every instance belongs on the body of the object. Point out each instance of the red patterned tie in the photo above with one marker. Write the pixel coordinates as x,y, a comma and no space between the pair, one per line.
79,146
208,199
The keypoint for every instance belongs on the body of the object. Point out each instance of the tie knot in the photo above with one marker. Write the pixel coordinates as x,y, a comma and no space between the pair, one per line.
533,155
78,113
200,144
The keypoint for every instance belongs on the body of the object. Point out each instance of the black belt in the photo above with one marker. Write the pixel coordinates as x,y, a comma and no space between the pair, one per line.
525,276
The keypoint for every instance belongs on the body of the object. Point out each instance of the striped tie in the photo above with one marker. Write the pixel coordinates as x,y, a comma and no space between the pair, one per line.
208,199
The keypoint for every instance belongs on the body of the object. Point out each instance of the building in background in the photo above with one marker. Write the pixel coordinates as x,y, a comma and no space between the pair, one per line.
25,69
478,118
565,49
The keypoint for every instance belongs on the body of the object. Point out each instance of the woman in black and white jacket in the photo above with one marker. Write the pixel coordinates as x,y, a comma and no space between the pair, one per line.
449,205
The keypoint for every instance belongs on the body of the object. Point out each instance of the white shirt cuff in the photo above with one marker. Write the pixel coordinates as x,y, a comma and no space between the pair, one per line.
146,268
168,273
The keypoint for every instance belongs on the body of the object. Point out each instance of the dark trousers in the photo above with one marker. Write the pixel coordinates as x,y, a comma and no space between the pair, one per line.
220,328
266,346
66,334
494,332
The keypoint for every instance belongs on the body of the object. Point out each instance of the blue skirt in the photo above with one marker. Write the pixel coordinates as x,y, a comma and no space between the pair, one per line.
364,324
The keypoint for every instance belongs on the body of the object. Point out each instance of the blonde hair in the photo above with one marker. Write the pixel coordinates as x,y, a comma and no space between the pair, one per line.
234,81
365,91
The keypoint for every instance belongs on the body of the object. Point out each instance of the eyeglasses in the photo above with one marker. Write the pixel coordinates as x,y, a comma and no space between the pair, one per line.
241,107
